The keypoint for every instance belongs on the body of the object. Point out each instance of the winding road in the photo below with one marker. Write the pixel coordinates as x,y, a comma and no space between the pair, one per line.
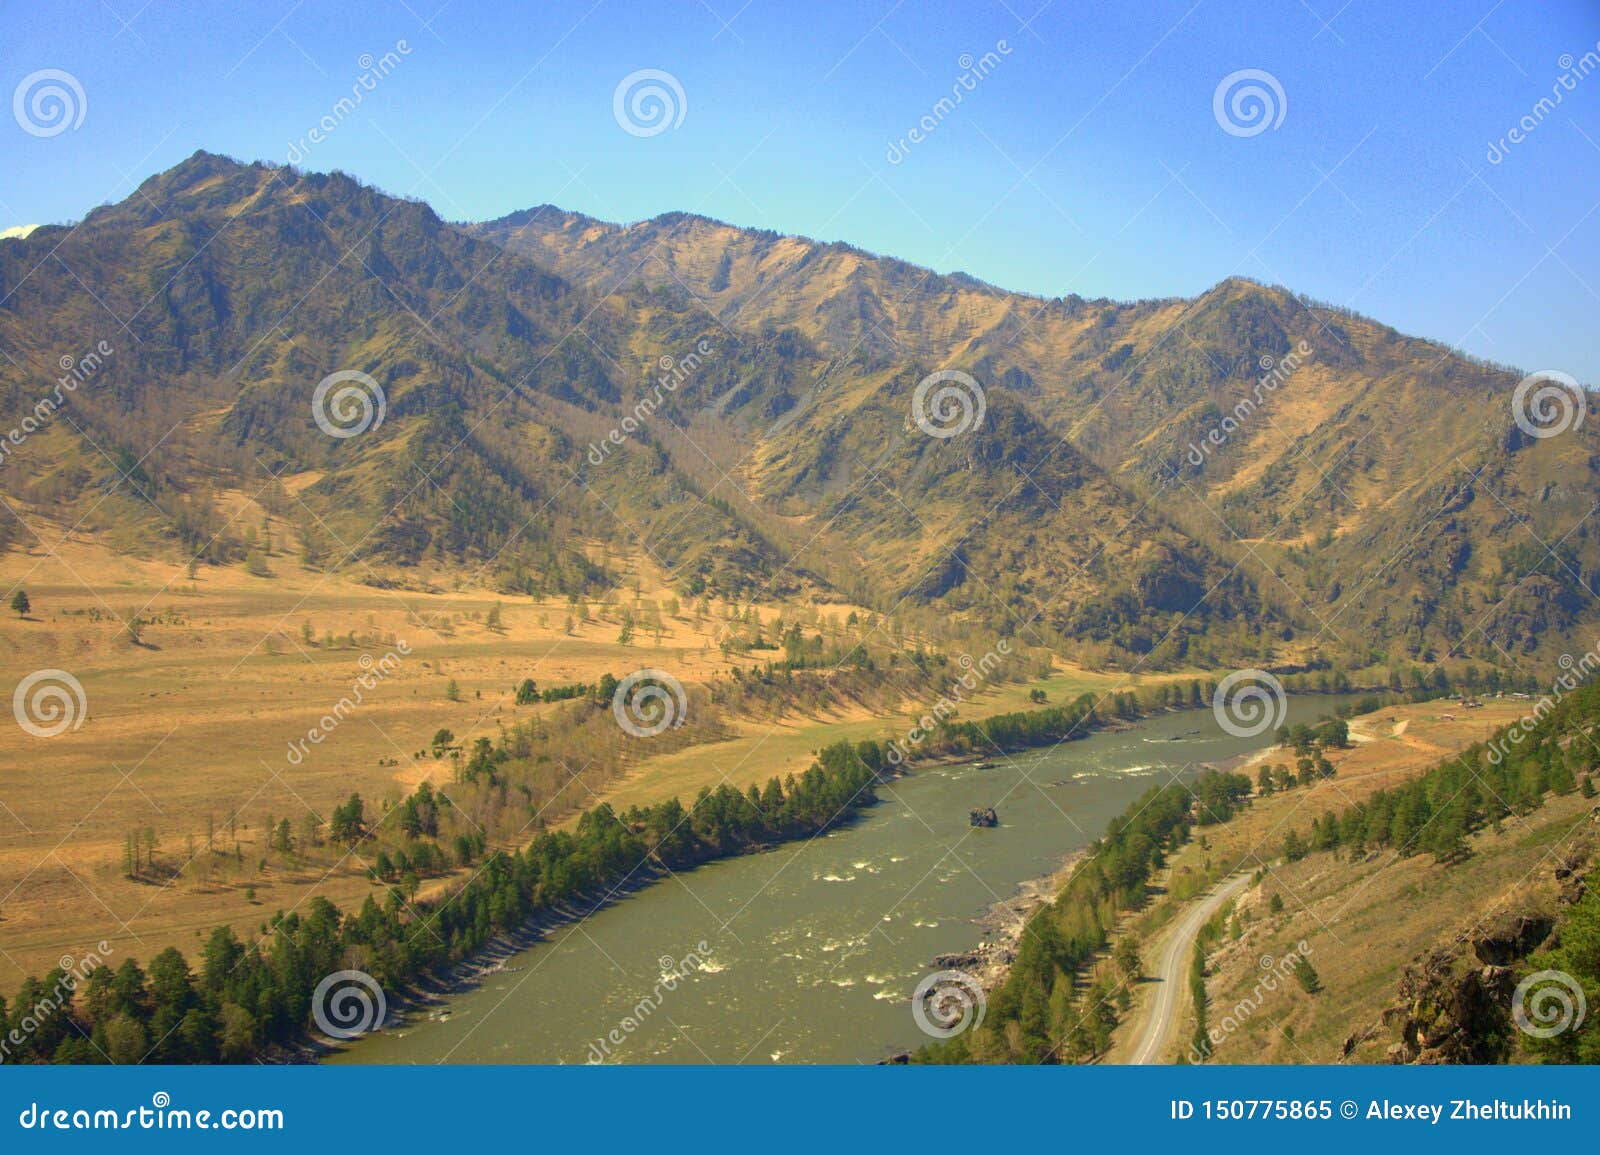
1172,969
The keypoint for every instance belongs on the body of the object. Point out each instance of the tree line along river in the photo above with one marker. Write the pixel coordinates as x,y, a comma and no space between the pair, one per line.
810,952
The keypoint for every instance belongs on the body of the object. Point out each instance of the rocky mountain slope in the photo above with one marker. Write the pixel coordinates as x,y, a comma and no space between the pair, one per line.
1376,486
754,413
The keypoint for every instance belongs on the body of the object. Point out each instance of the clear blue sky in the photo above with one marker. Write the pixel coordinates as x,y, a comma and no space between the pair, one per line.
1089,160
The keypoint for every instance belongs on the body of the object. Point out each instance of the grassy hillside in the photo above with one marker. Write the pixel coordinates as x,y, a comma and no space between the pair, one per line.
244,288
525,428
1375,487
558,394
1389,906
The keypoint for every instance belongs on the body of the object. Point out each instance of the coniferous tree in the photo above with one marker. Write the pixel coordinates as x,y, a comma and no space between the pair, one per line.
1306,975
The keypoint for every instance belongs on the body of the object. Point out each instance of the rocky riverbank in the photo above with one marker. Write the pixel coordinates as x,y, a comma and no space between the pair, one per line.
1003,922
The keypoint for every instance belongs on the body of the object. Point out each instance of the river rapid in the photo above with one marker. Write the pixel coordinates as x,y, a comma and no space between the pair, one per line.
808,953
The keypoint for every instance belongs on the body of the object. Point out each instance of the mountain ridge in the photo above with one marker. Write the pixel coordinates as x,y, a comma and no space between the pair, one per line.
786,457
1322,467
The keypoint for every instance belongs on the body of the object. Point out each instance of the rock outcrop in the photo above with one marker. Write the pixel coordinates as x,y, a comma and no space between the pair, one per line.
1445,1016
1512,937
1454,1003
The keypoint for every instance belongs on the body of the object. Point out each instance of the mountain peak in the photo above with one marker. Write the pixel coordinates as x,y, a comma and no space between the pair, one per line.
1097,403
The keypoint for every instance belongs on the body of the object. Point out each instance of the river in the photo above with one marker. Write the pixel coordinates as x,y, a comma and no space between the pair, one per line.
808,953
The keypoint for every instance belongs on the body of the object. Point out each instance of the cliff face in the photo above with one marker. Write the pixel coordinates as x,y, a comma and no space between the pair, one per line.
1457,1003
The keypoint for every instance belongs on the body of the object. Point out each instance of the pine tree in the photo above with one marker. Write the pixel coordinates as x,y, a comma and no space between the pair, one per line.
1127,957
349,822
1306,975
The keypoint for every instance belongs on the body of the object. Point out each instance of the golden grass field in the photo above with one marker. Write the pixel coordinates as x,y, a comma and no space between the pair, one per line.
192,725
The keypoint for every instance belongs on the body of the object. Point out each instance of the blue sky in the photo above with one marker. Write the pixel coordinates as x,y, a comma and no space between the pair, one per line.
1089,159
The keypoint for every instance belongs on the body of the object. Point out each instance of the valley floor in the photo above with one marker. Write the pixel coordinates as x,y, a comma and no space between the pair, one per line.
192,722
187,731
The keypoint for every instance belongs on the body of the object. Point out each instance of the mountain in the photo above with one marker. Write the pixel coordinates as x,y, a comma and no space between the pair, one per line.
769,417
1375,486
228,292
